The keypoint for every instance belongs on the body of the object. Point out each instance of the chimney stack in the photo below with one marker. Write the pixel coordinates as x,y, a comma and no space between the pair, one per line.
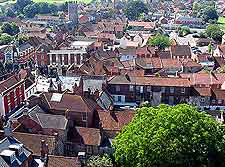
44,151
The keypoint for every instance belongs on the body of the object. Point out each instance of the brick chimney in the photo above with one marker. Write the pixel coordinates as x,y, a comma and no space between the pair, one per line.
44,151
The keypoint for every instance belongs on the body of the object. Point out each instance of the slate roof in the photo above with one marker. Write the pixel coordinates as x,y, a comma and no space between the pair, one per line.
5,145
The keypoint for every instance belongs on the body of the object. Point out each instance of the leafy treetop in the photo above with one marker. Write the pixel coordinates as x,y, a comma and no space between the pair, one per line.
166,136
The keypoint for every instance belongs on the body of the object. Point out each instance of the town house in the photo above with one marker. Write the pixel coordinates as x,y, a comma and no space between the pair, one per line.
131,91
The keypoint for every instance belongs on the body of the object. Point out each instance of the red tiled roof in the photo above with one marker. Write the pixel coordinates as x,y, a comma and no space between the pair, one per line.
222,48
153,81
106,35
71,102
61,161
87,136
219,94
146,25
203,91
152,62
115,121
145,50
181,50
9,82
171,63
33,141
190,63
205,78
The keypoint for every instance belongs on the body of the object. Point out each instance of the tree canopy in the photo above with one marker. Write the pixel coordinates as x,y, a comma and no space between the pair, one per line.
210,13
161,41
10,28
5,39
167,136
183,31
215,32
134,9
99,161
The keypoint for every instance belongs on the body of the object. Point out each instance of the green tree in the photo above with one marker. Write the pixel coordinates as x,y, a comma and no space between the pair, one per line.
210,49
9,12
5,39
183,31
10,28
214,31
20,4
31,10
135,8
99,161
210,13
171,136
22,39
161,41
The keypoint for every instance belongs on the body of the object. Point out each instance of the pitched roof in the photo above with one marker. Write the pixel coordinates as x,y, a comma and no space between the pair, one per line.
61,161
164,54
146,25
205,78
145,50
6,146
9,82
190,63
171,63
33,141
52,121
203,91
153,62
222,48
180,50
115,121
219,94
87,136
71,102
153,81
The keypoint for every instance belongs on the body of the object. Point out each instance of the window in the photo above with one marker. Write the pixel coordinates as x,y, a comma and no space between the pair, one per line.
117,88
84,116
89,150
202,100
149,89
171,90
131,88
182,90
163,89
220,101
141,89
119,98
213,101
8,98
137,88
